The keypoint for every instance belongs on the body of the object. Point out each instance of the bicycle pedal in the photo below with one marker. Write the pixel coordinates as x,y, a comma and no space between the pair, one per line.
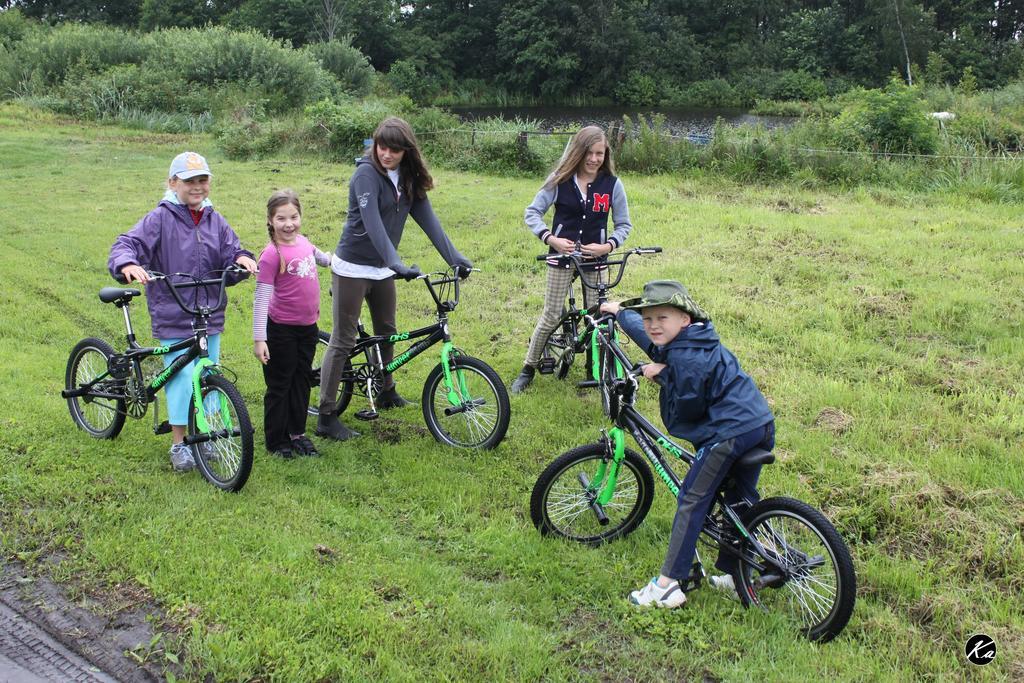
366,415
546,366
162,428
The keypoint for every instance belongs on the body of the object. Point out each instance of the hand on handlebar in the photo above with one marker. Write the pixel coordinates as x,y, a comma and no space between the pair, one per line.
652,370
462,268
406,272
135,273
247,263
610,307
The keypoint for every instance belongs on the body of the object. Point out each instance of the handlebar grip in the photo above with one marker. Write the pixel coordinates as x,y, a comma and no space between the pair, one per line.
545,257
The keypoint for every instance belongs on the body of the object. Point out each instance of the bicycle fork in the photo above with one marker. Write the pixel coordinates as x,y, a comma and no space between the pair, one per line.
455,383
601,491
203,365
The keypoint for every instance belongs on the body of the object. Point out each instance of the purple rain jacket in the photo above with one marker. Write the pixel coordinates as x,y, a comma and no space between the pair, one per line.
168,240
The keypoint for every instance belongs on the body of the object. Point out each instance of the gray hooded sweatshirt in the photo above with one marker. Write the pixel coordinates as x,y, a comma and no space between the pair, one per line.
376,219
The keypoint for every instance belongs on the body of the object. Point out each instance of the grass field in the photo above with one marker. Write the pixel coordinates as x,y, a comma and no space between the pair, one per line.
885,328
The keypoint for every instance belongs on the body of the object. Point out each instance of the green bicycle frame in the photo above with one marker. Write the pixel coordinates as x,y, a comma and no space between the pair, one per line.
197,398
448,351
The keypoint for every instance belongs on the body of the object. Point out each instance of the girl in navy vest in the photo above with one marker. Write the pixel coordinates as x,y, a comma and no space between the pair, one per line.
584,191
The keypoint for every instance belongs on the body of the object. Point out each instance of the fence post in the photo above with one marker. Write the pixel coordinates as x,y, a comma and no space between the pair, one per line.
615,135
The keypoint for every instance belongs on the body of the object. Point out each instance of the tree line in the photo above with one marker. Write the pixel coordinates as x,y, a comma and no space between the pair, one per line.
629,51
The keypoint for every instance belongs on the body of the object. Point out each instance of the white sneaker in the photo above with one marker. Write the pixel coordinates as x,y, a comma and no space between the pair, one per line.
181,458
724,585
654,595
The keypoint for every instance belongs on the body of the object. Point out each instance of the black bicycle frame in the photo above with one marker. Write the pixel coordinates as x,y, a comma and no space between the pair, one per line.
437,332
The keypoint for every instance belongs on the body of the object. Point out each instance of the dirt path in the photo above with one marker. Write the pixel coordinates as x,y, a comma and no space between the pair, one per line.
46,636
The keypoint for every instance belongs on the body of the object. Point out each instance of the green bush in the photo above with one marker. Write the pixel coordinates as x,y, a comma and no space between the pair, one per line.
891,120
347,64
716,92
347,124
437,132
13,27
638,90
70,49
797,85
983,128
287,78
177,69
648,148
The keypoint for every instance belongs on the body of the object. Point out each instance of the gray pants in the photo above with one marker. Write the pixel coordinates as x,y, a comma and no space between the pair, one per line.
559,280
347,301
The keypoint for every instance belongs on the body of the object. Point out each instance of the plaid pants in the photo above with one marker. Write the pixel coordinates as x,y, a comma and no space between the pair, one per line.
559,281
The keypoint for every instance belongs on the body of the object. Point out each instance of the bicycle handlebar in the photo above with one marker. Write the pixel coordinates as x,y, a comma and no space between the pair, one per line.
578,261
450,276
233,269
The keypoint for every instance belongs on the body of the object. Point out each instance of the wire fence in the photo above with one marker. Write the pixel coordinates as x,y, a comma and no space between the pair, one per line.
545,140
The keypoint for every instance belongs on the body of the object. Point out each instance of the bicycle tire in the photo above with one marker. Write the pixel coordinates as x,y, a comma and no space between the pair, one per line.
480,425
808,538
101,418
224,462
558,501
345,387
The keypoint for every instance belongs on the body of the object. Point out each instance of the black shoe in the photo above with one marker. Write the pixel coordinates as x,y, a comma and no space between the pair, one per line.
523,380
302,445
389,398
282,452
330,426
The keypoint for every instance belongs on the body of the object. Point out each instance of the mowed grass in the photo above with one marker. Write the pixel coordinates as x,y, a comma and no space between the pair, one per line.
884,328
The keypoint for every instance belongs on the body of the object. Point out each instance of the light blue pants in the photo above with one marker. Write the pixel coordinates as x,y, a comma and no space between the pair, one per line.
179,390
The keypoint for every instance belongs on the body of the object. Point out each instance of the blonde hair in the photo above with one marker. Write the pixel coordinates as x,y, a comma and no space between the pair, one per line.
574,153
277,200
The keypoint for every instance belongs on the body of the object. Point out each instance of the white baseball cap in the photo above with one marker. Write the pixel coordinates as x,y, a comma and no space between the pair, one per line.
188,165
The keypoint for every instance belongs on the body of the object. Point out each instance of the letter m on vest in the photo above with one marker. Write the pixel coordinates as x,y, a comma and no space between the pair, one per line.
601,202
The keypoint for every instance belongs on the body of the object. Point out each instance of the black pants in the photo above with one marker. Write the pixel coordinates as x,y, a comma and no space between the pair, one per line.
289,375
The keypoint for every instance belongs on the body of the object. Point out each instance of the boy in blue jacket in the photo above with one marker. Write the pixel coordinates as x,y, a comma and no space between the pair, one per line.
709,401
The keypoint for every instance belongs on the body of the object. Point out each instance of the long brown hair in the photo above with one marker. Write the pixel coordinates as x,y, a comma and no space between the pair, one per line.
276,201
574,153
395,133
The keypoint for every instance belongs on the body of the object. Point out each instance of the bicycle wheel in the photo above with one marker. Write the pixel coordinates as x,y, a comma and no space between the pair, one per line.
102,418
560,505
225,460
560,346
480,415
344,388
822,586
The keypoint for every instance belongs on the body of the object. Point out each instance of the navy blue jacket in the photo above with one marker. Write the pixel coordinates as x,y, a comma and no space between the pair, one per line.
705,397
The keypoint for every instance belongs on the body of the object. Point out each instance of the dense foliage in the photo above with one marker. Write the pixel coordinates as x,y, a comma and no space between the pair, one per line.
97,71
629,51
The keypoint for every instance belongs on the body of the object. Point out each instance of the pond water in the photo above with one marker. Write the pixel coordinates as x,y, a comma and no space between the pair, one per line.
697,122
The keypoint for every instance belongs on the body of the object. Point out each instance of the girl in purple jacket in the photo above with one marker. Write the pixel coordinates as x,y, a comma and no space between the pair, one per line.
183,234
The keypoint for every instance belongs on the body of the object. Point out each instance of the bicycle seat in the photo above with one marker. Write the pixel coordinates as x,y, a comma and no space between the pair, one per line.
118,295
755,456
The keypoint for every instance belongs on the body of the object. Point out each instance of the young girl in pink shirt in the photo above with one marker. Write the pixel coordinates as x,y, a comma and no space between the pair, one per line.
284,328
